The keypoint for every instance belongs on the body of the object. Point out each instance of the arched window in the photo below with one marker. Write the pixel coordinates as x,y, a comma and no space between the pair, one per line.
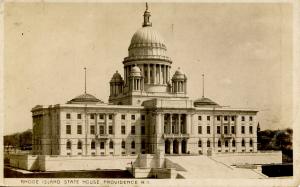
133,145
219,143
226,143
251,143
79,145
123,144
69,145
199,143
143,146
208,143
111,144
243,143
233,143
93,145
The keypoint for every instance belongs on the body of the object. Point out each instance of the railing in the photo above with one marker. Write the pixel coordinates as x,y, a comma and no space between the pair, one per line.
226,136
176,135
101,136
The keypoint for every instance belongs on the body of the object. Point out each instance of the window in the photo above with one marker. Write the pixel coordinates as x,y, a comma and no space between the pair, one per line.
225,129
101,116
232,118
199,129
68,129
233,143
111,144
199,118
79,145
218,118
132,129
110,116
225,118
143,145
219,143
243,143
143,117
92,116
78,116
69,145
199,143
68,116
218,130
101,129
132,145
232,130
226,143
132,117
92,129
101,145
79,129
243,129
93,145
123,129
250,129
110,129
250,118
123,144
123,117
142,130
208,143
251,143
243,118
208,130
208,118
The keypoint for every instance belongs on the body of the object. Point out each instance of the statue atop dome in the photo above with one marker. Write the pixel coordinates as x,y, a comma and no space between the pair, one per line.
147,15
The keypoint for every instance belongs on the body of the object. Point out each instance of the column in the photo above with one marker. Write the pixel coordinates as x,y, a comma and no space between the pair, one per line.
179,123
158,123
171,146
107,147
179,146
171,124
159,74
106,123
154,73
188,123
148,72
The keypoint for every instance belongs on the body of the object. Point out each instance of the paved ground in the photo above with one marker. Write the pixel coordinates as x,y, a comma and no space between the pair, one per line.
205,167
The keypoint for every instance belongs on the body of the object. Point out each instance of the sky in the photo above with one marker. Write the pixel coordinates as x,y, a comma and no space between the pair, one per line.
244,50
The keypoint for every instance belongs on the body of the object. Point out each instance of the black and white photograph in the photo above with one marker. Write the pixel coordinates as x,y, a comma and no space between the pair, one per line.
149,93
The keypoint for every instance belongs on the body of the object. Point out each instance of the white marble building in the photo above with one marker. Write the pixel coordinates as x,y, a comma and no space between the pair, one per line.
148,110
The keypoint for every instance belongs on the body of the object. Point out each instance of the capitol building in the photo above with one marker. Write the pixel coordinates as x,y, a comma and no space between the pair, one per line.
148,111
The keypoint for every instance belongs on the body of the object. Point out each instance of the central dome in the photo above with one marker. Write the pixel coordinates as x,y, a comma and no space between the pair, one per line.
147,36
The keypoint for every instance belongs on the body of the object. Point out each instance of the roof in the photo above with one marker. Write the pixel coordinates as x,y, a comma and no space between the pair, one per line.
205,102
85,98
116,77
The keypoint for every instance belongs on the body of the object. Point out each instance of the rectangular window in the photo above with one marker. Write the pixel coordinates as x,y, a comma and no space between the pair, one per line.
110,116
92,116
110,129
132,117
218,118
199,118
143,117
232,118
79,129
123,129
101,129
232,130
225,118
78,116
225,129
68,116
250,129
250,118
68,129
101,116
123,117
208,118
143,132
92,129
243,129
199,129
132,129
101,145
243,118
208,130
218,130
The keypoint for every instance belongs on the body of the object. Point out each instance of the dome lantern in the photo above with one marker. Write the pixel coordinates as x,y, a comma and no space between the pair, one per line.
147,15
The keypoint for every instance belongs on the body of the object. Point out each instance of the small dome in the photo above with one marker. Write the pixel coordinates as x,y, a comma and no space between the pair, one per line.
116,77
85,98
135,71
205,102
178,75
